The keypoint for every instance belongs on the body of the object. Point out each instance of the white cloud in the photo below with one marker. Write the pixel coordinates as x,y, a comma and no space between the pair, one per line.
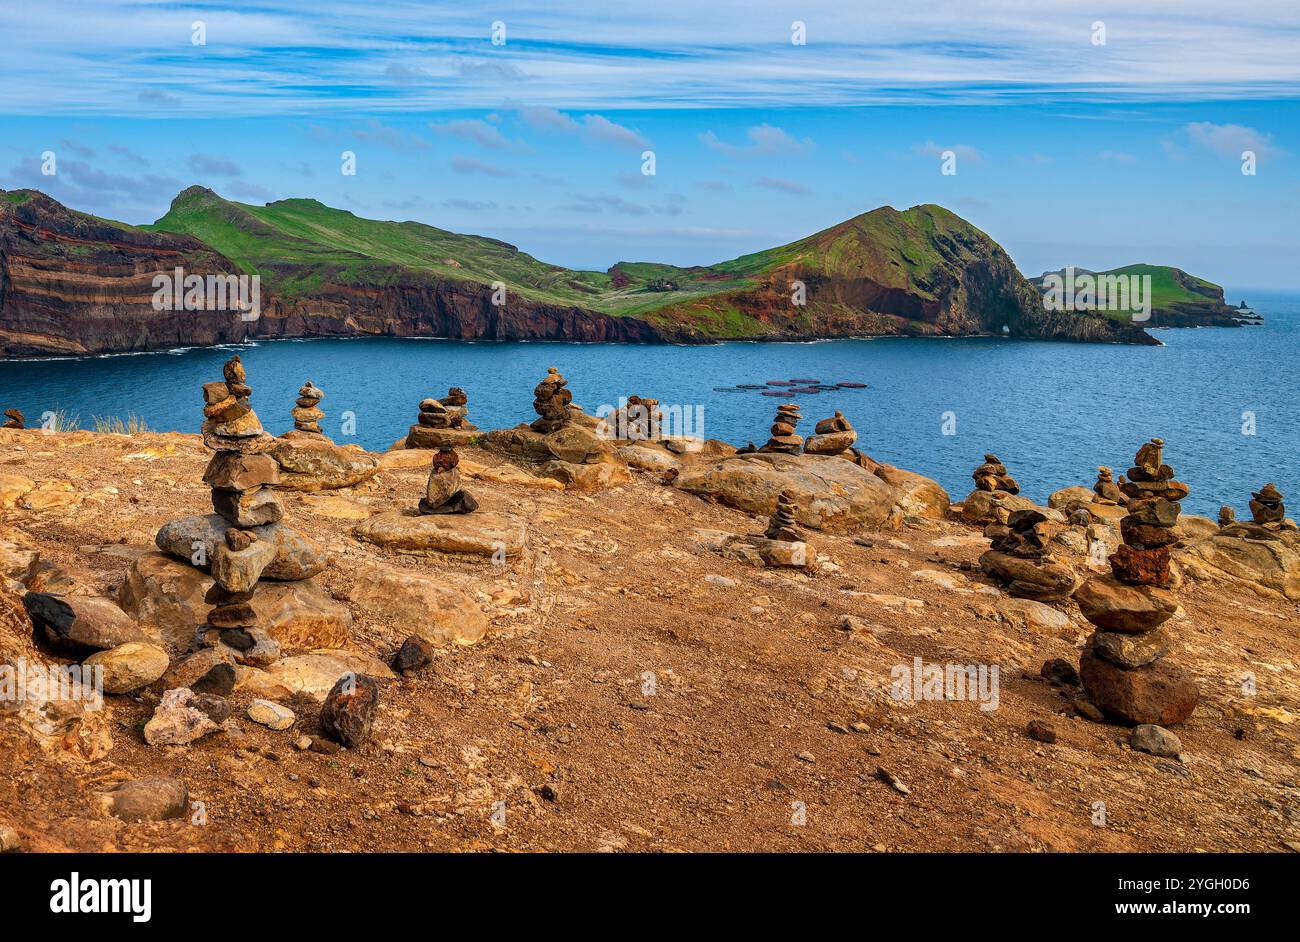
764,140
1229,140
480,132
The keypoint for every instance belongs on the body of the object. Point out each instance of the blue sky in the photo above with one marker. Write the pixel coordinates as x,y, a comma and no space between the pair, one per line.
1067,151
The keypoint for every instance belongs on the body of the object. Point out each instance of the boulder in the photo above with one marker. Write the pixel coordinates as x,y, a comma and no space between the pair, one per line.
175,722
1068,499
916,495
147,799
301,615
12,489
1160,693
427,606
830,493
648,458
296,556
1128,609
348,712
167,594
981,507
1271,568
321,466
484,533
576,444
586,477
72,624
129,666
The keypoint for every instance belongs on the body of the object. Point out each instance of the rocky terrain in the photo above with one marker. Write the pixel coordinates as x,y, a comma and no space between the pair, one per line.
74,284
625,653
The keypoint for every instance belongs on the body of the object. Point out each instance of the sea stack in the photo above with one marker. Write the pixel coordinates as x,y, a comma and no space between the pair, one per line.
783,437
992,476
443,493
1122,666
1020,560
832,436
551,402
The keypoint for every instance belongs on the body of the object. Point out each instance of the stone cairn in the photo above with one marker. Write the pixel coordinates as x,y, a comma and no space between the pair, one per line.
306,413
1019,558
783,438
832,436
551,402
992,476
1268,519
242,481
1227,516
1266,507
14,419
442,421
1106,490
638,420
781,525
1121,666
443,493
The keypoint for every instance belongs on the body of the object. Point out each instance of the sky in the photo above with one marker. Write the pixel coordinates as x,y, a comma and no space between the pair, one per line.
1095,134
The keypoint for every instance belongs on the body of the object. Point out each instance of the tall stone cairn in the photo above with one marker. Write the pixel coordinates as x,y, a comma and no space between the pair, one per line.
551,402
242,478
992,476
1122,666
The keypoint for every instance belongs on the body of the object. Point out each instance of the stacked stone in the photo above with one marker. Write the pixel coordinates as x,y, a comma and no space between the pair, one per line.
442,421
1019,558
783,437
781,525
242,478
832,436
443,493
992,476
551,402
1227,516
1106,490
1121,666
638,420
1266,507
307,413
14,419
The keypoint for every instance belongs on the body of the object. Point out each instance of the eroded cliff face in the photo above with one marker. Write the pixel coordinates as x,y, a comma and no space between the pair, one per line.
73,285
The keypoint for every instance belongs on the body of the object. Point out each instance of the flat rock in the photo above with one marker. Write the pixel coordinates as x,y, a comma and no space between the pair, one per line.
129,666
316,673
1130,651
12,489
335,507
1039,580
574,443
1271,568
421,436
1155,740
648,458
427,606
830,493
483,533
321,466
594,476
296,556
271,714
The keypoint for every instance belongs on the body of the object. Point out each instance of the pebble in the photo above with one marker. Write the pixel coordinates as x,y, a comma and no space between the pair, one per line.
10,842
720,581
891,780
302,743
806,757
1040,731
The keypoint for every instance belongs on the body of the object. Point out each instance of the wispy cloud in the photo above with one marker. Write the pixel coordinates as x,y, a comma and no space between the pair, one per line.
390,137
474,165
1230,140
961,151
764,140
480,132
784,186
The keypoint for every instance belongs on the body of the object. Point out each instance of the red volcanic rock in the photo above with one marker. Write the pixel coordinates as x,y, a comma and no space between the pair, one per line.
1160,693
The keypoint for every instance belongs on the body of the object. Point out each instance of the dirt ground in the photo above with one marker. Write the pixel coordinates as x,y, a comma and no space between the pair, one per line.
639,692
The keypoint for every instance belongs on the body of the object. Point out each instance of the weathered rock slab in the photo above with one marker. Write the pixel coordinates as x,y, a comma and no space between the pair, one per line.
483,534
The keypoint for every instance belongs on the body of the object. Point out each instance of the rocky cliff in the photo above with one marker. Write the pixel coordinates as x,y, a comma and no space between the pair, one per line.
74,284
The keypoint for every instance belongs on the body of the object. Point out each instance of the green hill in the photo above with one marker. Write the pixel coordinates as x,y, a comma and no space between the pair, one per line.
1178,299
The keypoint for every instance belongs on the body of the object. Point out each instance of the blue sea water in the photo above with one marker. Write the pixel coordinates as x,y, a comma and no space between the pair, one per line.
1052,411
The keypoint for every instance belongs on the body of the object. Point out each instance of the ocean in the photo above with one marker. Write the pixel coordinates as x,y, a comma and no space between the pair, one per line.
1223,399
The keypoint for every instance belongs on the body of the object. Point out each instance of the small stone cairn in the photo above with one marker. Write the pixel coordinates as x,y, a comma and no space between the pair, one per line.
551,402
1268,519
992,476
781,525
1121,666
14,419
832,436
784,440
1266,506
443,493
1019,558
442,421
307,413
1106,490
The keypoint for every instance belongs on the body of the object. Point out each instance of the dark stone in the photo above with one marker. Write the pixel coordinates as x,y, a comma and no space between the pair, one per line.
1154,513
349,710
219,680
215,708
462,502
1040,731
238,638
414,653
1059,671
1145,536
1160,693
